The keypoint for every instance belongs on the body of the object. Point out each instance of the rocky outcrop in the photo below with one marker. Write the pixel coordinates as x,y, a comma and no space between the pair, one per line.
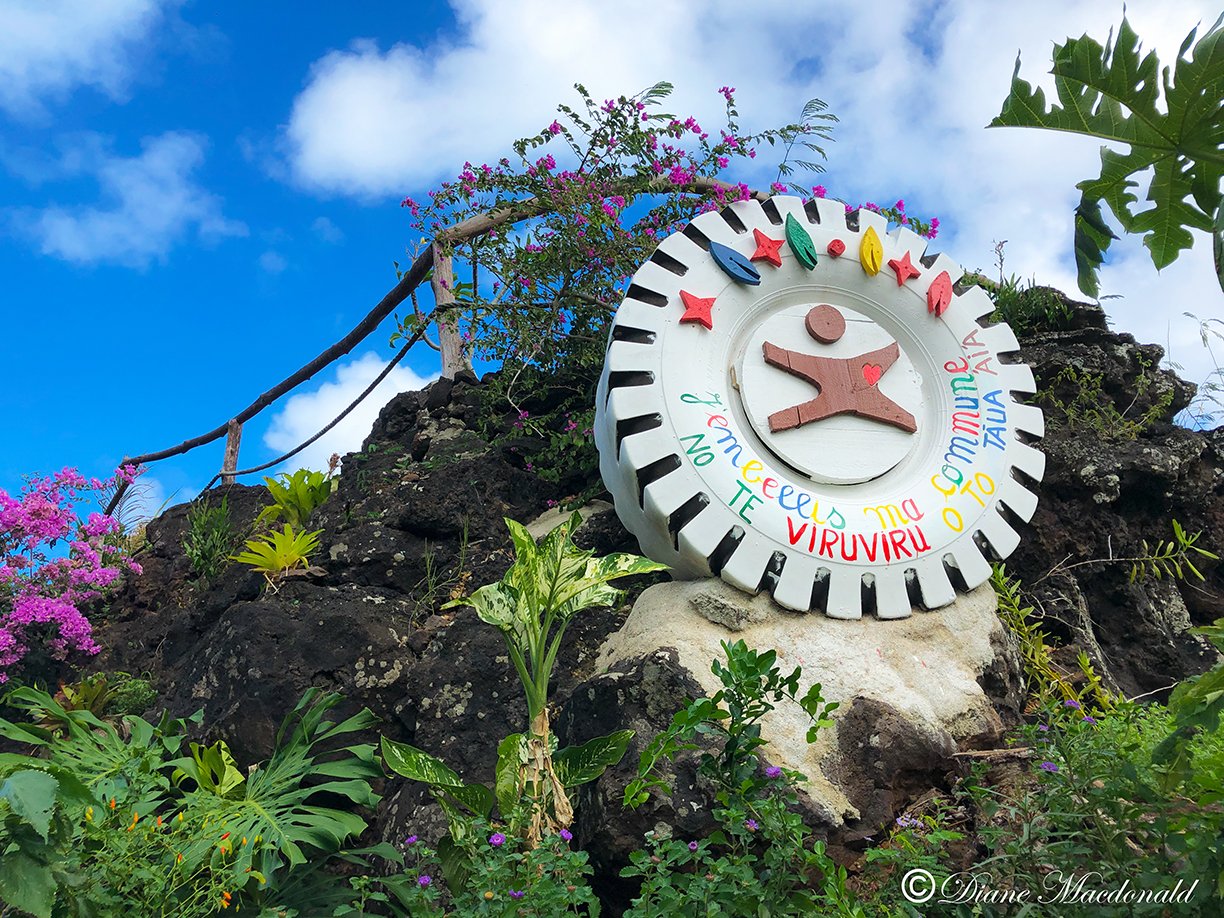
1119,472
912,692
417,519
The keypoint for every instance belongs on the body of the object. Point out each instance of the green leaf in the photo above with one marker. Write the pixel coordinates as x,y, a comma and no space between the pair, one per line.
577,765
418,765
1217,240
1112,92
511,756
26,884
456,868
494,604
278,800
31,795
476,797
213,769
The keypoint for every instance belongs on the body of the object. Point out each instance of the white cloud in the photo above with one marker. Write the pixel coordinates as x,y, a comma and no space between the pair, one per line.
147,498
914,84
273,262
327,231
149,203
49,47
307,412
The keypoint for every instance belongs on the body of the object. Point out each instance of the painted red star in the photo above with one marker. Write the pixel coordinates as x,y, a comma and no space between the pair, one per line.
767,249
697,309
904,269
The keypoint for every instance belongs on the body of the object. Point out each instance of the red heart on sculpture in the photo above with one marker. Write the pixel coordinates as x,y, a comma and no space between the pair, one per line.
872,373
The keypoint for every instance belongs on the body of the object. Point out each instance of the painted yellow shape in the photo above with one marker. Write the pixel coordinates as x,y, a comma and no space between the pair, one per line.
871,252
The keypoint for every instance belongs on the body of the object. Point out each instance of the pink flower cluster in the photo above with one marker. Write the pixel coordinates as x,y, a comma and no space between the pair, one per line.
52,562
896,214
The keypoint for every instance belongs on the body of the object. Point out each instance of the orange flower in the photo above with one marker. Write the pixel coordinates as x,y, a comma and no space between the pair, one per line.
225,836
159,822
112,803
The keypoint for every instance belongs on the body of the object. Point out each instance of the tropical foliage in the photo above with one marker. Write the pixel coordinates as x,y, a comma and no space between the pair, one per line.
276,553
546,587
138,821
1113,92
296,496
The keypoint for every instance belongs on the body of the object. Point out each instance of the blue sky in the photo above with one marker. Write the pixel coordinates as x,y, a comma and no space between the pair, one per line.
195,201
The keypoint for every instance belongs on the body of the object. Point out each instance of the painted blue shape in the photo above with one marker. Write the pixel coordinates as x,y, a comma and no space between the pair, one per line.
733,264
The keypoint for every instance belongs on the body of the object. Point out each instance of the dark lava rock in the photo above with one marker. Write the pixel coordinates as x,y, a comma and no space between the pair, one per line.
1118,473
417,520
401,536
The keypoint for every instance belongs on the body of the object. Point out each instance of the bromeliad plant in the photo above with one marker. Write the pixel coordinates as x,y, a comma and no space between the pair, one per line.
532,605
296,497
277,553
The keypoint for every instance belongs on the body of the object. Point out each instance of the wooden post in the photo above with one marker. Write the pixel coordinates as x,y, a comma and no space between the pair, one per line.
454,358
233,438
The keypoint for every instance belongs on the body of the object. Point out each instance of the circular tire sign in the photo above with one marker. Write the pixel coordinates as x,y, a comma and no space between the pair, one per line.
798,401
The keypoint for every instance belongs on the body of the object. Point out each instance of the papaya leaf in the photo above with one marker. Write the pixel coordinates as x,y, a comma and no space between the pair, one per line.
1113,92
1092,238
1218,243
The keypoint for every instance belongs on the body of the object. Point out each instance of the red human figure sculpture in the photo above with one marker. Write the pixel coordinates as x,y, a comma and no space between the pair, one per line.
845,385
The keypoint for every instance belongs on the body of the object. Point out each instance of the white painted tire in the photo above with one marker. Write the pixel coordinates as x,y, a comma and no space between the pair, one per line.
690,460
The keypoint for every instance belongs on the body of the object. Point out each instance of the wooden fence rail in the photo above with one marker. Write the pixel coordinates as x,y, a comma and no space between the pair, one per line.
435,252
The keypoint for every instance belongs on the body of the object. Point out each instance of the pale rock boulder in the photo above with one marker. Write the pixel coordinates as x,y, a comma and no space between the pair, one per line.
912,691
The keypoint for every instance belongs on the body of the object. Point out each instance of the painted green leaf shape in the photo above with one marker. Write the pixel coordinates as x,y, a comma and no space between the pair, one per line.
1112,92
800,242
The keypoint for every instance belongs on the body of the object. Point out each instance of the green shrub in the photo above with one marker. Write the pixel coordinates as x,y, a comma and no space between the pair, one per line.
295,497
276,553
132,695
110,822
507,879
211,538
762,854
1075,399
1101,801
1028,309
